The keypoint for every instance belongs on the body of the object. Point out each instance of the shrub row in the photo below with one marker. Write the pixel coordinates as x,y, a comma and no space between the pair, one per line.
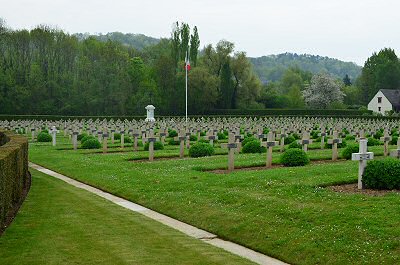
13,171
290,112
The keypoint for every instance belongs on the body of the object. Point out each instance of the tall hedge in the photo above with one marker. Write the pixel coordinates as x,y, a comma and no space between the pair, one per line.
13,171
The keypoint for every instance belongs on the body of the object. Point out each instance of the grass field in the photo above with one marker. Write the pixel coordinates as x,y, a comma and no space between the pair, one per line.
61,224
283,212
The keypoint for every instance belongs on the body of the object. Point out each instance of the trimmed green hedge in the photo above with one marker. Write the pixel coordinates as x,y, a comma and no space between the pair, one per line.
294,158
13,171
201,149
382,174
290,112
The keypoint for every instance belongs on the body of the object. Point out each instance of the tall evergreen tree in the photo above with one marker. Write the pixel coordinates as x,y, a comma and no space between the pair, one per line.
194,46
226,87
346,80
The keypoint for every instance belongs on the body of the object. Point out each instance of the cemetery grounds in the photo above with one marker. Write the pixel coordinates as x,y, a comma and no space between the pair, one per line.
289,213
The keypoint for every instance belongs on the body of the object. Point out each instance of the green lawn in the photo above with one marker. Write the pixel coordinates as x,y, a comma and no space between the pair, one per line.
61,224
282,212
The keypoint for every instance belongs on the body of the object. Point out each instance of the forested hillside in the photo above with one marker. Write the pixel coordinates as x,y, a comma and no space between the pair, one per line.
47,71
272,67
136,41
268,68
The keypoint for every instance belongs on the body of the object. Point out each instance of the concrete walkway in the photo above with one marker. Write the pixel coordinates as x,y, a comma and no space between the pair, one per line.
178,225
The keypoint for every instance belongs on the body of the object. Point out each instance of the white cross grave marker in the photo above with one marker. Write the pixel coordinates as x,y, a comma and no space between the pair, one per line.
362,156
54,132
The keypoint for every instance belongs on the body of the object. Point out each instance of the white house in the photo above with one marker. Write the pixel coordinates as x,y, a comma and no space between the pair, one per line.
385,100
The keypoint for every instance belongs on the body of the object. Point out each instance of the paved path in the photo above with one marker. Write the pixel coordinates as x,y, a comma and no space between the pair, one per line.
178,225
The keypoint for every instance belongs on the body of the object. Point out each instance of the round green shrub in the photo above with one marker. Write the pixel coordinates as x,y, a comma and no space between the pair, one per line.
296,136
91,143
378,134
295,144
265,131
117,136
201,149
202,134
193,138
87,137
157,146
248,139
127,140
253,147
80,136
44,137
294,157
290,139
221,136
373,142
350,137
173,142
350,149
314,134
382,174
394,140
172,133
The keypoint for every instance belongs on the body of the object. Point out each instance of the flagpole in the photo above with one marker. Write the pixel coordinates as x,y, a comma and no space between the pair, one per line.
186,69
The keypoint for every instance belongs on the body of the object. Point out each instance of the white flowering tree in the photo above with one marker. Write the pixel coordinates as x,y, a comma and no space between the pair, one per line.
322,92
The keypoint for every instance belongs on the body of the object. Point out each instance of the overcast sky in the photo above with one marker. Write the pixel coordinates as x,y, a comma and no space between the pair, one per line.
349,30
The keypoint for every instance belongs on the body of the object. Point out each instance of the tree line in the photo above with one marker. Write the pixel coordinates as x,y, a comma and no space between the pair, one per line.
47,71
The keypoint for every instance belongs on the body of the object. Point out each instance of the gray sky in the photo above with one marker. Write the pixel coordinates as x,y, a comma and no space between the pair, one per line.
349,30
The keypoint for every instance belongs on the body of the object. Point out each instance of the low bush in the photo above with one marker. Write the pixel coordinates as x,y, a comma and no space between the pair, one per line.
44,137
296,136
373,142
173,142
172,133
202,134
394,140
350,137
80,136
350,149
203,141
248,139
290,139
157,146
378,134
117,136
253,147
201,149
127,140
91,143
193,138
87,137
314,134
294,157
294,144
221,136
382,174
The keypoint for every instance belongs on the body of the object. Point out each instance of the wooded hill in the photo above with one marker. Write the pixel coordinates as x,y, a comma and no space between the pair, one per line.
268,68
272,67
137,41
